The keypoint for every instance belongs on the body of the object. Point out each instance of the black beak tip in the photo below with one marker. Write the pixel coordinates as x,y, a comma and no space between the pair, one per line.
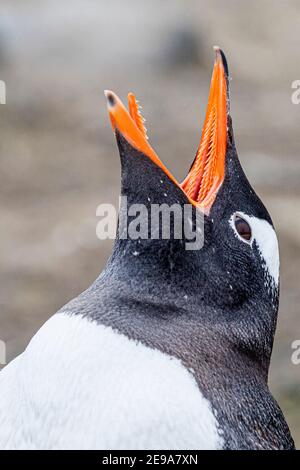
222,56
110,98
225,65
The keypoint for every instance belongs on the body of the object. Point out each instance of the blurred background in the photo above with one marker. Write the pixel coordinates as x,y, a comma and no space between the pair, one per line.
58,157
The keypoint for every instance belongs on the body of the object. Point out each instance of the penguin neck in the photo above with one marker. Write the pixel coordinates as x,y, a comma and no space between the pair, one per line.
156,269
154,280
167,311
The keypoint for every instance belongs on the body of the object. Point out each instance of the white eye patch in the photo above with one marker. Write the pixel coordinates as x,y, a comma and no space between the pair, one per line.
266,240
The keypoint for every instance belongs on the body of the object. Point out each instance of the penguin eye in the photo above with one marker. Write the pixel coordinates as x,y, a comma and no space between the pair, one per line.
243,228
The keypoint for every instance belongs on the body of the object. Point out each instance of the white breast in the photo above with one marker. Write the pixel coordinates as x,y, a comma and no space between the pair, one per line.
80,385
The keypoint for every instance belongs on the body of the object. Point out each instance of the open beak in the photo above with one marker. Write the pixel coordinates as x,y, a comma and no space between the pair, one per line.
208,169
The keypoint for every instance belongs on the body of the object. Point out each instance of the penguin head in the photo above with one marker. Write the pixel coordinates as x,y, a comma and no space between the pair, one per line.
242,237
233,278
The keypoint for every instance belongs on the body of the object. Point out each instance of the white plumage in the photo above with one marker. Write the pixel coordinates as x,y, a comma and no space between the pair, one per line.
267,243
81,385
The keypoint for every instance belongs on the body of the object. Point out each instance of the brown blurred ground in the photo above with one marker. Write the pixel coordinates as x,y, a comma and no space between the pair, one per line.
58,157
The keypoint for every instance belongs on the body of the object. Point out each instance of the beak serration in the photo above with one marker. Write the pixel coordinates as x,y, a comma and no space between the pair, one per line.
208,169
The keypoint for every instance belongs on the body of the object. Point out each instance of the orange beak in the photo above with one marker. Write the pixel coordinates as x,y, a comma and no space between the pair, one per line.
208,169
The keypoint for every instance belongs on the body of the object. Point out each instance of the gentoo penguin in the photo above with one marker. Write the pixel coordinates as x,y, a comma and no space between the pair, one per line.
169,348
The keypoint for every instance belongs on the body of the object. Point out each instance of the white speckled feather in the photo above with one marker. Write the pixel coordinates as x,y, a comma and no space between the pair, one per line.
266,239
80,385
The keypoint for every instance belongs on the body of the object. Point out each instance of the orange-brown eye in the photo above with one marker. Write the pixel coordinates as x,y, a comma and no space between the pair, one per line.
243,228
